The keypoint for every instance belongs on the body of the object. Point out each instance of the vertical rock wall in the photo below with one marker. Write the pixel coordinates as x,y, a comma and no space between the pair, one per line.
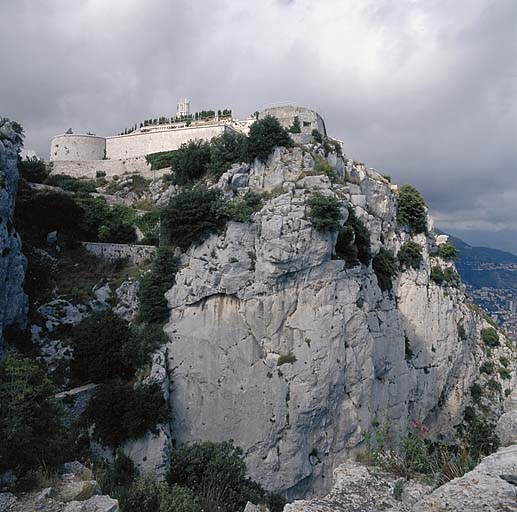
13,300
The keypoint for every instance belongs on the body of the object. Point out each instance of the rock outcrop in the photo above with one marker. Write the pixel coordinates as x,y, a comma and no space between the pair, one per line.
13,300
283,349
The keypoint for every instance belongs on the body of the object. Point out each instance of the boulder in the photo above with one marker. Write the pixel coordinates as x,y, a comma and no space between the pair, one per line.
79,490
94,504
7,501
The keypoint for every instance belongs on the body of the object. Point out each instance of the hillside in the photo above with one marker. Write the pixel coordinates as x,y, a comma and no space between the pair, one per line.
297,311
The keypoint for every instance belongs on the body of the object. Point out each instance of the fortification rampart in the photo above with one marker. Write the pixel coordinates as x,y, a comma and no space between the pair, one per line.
309,119
136,254
91,168
141,144
77,147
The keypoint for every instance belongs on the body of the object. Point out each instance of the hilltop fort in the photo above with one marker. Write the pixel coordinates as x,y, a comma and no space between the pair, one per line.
85,155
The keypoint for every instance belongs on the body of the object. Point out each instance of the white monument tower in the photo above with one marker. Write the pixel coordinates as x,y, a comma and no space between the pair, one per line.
183,108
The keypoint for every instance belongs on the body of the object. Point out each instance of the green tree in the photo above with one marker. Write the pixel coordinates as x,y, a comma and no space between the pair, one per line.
32,169
411,209
265,135
353,242
31,432
324,212
295,127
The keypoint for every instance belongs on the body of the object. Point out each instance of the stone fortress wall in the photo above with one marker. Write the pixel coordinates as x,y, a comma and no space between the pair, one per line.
141,144
309,119
73,148
87,155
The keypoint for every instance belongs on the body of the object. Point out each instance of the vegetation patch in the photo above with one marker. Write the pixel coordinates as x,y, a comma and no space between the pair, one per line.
265,135
444,276
120,411
410,255
385,268
447,252
353,242
324,212
490,337
411,209
160,160
289,358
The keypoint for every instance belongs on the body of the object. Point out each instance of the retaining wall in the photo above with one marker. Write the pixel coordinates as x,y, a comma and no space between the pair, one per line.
89,168
136,254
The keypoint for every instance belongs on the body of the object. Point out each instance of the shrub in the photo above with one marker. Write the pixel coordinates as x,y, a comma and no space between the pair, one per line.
30,421
444,277
118,411
226,150
462,333
265,135
353,242
324,212
148,495
239,209
447,252
385,268
505,373
410,255
154,284
71,184
105,223
159,160
490,337
100,352
289,358
321,166
487,367
476,392
480,436
190,162
32,169
411,209
216,472
494,386
318,137
52,211
296,127
149,224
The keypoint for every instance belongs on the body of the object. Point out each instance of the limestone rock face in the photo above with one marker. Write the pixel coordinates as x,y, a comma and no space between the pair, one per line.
13,301
486,487
507,424
283,349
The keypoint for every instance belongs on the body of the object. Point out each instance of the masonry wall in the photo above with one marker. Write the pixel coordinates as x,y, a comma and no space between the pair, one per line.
309,119
134,253
89,168
140,144
74,147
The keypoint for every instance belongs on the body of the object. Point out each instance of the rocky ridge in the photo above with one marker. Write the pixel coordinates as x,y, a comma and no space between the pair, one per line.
277,345
13,300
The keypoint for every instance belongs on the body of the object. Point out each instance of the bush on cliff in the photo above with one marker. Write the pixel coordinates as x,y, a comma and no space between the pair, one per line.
324,212
190,162
120,411
265,135
410,255
153,285
32,169
30,421
444,276
101,351
353,242
385,268
490,337
71,184
411,209
225,150
447,251
216,472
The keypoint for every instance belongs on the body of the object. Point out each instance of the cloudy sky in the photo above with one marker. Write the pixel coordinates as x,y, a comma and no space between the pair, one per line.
424,90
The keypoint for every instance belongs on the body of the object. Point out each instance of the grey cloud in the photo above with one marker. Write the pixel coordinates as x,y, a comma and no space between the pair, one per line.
424,91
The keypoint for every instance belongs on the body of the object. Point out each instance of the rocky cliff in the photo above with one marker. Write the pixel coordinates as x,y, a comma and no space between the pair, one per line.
13,301
279,346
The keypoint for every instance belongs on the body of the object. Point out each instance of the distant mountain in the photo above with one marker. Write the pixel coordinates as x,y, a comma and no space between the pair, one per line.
486,267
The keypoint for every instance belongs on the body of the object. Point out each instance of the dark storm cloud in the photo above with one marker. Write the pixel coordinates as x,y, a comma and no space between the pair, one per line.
422,90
